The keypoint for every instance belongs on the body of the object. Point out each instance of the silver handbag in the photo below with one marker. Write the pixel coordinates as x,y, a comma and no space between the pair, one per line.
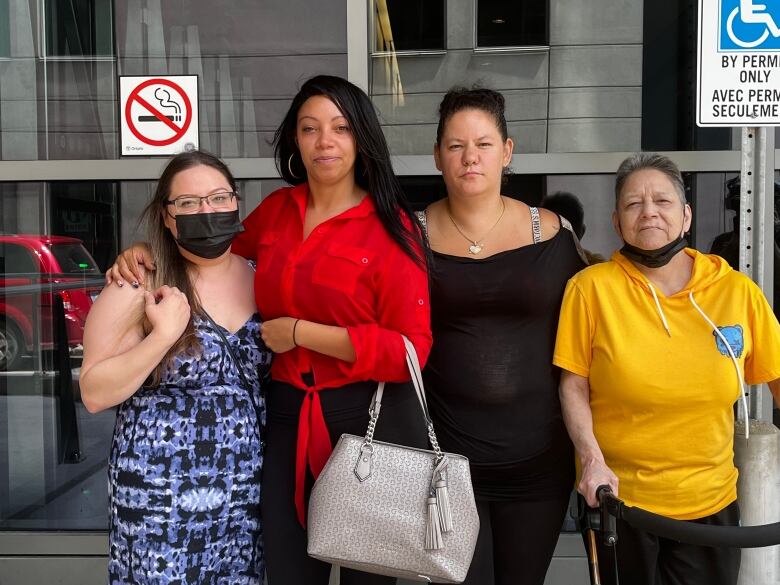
395,510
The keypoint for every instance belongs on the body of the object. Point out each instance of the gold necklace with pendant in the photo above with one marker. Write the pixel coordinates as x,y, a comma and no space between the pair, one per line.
476,245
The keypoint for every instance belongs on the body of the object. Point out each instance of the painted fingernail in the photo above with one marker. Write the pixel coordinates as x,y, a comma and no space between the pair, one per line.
134,284
120,283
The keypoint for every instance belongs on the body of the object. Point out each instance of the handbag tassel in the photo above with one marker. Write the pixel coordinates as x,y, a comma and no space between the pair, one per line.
443,501
433,540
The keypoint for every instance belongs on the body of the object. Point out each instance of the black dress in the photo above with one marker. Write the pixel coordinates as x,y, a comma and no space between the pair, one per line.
492,388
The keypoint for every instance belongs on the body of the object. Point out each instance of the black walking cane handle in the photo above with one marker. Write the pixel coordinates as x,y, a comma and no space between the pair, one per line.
608,504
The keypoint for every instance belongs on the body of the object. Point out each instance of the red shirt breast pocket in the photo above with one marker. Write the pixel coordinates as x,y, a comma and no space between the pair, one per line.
341,267
266,247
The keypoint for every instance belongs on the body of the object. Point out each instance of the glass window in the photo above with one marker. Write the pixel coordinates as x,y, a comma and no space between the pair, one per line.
56,239
15,259
73,258
409,25
668,83
79,28
5,29
88,213
511,24
66,107
52,452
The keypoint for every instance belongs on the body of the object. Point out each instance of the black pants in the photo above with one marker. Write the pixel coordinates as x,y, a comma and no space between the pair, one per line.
647,559
346,411
516,541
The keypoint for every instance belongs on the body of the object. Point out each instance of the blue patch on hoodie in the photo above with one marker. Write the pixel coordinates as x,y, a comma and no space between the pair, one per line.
733,334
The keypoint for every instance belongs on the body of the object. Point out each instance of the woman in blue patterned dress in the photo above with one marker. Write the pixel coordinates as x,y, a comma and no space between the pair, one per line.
185,363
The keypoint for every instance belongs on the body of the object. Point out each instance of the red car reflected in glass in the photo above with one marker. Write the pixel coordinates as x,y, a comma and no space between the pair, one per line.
34,268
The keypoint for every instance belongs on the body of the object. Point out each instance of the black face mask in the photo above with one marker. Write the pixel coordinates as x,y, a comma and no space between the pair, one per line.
654,258
208,235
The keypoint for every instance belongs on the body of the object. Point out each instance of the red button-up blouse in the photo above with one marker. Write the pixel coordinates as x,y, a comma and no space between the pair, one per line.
349,272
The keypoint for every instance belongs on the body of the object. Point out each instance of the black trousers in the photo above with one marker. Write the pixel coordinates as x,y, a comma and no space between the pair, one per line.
346,411
516,541
647,559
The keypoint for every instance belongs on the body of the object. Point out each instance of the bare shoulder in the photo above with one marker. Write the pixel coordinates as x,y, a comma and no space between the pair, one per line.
437,207
124,296
115,309
242,265
114,323
434,214
549,220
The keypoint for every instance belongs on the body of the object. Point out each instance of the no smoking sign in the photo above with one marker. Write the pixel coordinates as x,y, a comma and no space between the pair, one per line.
159,115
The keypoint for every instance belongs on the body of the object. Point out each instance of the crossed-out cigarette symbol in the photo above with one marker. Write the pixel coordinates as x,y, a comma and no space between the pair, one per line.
163,97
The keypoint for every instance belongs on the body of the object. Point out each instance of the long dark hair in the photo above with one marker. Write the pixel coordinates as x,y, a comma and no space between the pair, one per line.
373,170
171,267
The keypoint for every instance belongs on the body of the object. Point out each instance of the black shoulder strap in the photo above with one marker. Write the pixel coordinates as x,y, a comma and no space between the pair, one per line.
238,365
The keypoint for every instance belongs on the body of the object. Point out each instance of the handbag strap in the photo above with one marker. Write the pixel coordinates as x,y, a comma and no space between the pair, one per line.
413,363
239,367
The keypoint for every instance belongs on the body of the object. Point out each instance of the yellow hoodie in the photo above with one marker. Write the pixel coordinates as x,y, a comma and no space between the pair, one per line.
662,381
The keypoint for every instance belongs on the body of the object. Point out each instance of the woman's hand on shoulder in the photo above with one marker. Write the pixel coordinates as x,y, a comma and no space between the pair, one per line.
168,312
113,325
115,311
131,265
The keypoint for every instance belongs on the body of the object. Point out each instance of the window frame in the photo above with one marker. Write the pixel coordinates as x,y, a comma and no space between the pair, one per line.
372,30
104,8
541,48
5,30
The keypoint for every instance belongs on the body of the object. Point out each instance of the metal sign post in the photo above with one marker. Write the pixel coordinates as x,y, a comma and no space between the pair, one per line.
739,85
756,231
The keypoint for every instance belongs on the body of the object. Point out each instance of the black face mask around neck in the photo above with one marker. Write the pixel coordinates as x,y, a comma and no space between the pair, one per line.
654,258
208,235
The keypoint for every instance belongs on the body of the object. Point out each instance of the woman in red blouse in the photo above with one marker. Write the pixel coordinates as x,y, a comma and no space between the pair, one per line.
340,277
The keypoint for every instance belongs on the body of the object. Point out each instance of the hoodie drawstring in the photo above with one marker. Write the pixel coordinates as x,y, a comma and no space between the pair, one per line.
743,399
660,311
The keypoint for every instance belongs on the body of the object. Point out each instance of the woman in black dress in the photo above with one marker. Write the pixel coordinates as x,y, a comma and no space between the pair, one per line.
497,280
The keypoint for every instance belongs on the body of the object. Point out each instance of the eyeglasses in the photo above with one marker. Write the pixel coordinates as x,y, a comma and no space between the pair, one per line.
192,203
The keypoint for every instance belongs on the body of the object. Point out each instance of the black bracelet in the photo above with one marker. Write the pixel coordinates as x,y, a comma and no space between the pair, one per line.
295,326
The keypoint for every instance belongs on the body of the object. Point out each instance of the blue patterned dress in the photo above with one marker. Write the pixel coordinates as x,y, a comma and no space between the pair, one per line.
184,469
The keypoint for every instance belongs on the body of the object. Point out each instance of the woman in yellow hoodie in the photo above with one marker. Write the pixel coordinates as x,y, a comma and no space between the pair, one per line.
655,346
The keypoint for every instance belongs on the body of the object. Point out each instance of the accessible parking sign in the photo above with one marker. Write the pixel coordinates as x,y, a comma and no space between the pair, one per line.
159,115
739,63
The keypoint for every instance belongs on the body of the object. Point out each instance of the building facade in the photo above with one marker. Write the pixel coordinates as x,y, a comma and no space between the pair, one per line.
585,83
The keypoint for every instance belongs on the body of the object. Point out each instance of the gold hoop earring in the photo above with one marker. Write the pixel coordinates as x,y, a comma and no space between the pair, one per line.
289,167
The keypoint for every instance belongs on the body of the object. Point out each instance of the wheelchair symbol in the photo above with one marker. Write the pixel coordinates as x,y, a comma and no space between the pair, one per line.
752,15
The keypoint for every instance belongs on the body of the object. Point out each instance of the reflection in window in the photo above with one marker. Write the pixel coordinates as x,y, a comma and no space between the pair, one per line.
409,25
78,28
52,452
88,212
511,24
406,25
15,259
5,29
